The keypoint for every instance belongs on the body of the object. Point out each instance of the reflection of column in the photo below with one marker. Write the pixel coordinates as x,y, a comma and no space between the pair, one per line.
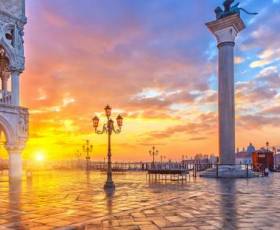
110,197
228,208
15,162
226,30
15,88
14,200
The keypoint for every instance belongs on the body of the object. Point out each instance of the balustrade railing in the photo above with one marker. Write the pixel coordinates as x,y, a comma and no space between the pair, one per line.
246,168
5,97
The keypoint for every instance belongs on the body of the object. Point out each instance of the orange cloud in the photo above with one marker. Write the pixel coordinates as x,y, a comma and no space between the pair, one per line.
150,75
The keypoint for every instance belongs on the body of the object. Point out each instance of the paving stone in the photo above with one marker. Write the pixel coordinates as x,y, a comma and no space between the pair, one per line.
71,200
180,228
148,227
174,219
137,215
160,222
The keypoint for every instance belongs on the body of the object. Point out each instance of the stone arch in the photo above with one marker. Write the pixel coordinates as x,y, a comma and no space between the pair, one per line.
8,130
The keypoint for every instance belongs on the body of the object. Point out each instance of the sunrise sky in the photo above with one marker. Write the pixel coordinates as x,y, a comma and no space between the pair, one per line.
154,61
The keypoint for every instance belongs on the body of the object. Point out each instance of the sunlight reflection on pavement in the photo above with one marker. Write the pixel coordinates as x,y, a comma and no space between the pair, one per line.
57,199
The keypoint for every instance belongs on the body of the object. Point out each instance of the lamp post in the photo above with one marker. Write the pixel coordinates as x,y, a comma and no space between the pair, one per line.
153,153
108,128
87,149
274,157
162,158
267,146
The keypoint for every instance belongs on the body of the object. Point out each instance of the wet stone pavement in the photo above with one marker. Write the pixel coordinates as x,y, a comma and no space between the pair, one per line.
76,200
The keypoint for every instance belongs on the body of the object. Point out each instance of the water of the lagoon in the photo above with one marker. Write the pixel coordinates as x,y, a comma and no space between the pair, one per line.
77,197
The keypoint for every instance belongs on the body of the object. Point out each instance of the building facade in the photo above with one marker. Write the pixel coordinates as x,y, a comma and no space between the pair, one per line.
13,117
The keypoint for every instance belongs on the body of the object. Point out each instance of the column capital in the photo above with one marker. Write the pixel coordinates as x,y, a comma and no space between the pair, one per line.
226,29
15,71
226,35
15,148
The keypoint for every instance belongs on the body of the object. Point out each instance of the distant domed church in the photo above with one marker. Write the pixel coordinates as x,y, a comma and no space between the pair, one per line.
251,148
245,156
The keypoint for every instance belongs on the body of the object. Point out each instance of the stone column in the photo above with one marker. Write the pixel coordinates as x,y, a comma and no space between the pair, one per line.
15,162
5,77
15,88
225,31
4,83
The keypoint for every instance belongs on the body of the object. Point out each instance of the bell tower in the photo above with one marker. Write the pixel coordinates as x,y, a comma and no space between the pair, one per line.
13,117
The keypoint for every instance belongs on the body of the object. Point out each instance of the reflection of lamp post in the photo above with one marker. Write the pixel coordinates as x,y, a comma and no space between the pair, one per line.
78,155
88,149
108,128
153,153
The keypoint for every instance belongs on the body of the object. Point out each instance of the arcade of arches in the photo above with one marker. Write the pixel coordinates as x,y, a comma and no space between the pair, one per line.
13,117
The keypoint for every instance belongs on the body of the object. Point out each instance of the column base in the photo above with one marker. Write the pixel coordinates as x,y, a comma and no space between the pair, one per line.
109,185
228,171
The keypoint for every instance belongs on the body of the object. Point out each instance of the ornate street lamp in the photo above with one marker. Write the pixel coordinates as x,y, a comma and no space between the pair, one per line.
108,128
153,153
87,148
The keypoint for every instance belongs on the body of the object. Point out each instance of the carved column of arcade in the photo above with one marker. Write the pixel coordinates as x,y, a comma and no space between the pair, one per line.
15,87
5,75
15,162
4,72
